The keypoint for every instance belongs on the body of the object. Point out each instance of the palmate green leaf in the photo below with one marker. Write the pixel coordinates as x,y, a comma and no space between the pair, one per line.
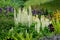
31,36
15,38
27,36
36,2
16,3
2,4
5,3
13,3
21,36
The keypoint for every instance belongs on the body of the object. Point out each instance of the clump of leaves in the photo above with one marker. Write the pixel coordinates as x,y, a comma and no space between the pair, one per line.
56,24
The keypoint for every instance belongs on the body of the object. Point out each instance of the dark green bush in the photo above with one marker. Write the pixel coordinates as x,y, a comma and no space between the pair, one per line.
5,25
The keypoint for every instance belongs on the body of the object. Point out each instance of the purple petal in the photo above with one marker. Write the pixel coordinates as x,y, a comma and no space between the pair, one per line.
34,12
0,10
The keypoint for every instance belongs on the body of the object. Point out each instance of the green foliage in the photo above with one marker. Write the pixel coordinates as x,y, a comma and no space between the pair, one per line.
5,25
36,2
22,32
56,24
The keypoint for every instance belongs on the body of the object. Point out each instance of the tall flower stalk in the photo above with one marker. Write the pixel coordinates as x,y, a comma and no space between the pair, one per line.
30,16
15,17
45,22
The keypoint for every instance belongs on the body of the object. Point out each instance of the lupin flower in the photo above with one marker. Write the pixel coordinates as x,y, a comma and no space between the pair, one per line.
34,12
11,9
15,17
19,15
0,10
42,21
37,25
45,22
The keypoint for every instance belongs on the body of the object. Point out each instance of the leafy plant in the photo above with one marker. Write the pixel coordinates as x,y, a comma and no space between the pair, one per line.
56,24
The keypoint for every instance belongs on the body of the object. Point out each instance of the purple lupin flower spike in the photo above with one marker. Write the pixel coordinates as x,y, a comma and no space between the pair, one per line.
11,9
34,12
0,10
